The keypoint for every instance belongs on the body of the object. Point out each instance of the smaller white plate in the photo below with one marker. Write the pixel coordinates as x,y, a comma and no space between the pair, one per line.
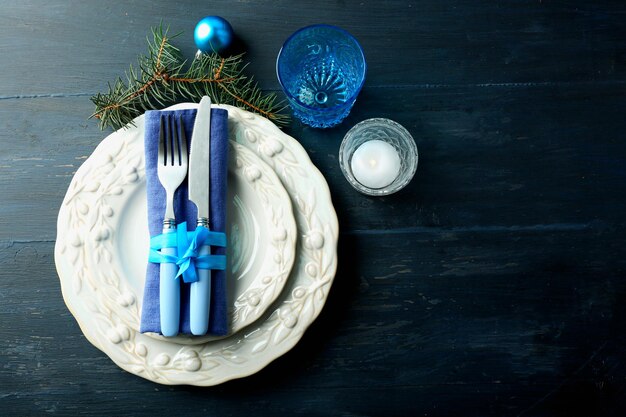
261,235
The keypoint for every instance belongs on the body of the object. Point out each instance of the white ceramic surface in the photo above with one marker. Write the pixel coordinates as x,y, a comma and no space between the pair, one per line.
106,303
259,208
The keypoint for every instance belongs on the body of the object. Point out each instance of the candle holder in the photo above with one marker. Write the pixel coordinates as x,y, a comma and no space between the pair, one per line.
388,132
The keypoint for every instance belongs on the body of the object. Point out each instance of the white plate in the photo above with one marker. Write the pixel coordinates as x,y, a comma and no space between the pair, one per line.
105,303
259,209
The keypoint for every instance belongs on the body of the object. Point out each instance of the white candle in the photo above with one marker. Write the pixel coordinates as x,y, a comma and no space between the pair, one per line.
375,164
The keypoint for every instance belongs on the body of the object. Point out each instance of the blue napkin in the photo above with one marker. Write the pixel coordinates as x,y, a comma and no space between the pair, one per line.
185,210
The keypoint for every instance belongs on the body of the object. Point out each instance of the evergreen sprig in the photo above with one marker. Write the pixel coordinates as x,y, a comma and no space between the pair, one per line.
163,78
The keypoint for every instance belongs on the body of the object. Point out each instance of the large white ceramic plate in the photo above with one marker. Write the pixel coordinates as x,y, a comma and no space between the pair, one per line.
104,304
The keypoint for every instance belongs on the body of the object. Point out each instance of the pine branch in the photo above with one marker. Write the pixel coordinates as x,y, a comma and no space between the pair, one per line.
162,78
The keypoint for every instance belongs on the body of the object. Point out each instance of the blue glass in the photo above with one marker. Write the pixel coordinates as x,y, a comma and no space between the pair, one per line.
321,69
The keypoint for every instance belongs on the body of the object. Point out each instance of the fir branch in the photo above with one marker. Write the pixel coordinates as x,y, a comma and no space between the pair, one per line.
162,78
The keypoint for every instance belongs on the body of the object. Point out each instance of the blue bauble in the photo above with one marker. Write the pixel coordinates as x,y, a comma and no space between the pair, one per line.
213,34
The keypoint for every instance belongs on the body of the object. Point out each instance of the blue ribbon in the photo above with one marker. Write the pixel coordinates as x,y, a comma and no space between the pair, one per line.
188,243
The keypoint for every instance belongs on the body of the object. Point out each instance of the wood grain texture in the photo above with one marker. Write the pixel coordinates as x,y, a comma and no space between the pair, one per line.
77,47
493,285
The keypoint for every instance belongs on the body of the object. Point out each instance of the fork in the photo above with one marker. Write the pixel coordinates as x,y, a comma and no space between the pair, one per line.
171,170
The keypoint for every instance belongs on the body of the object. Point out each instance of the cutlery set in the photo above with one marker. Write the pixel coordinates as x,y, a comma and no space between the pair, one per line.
172,169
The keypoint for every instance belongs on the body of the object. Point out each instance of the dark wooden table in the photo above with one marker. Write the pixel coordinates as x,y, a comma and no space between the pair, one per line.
494,284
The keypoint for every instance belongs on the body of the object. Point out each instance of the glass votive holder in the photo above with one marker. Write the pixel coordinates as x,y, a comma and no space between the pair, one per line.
321,70
378,157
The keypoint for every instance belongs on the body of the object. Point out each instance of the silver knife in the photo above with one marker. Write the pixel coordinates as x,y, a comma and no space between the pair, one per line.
199,169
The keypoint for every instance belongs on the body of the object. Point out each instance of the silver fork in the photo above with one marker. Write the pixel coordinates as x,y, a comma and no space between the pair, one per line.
172,170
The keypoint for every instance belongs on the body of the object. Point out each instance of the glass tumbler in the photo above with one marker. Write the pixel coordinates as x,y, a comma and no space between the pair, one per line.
380,130
321,69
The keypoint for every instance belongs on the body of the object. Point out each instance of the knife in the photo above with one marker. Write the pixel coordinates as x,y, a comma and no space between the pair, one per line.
199,169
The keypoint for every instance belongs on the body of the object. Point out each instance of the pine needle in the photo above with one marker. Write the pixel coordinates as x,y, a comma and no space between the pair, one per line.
162,78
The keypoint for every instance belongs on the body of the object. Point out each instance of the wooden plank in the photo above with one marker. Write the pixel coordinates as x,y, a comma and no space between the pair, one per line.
489,157
44,141
68,48
505,317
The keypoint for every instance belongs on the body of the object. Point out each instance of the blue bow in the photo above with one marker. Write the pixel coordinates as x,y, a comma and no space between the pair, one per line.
188,244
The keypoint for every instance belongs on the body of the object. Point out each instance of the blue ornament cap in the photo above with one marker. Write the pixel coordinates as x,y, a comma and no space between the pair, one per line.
213,34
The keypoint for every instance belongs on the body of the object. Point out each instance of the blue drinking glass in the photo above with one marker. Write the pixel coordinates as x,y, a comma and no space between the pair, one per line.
321,69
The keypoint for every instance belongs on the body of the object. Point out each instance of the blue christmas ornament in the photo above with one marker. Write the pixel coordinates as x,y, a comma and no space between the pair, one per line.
213,34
